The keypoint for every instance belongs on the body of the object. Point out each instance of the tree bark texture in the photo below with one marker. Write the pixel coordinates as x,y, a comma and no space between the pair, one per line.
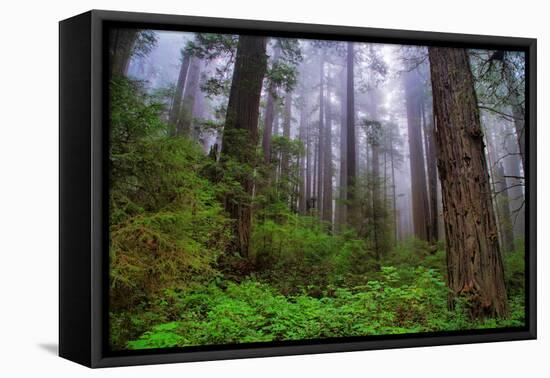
474,262
241,131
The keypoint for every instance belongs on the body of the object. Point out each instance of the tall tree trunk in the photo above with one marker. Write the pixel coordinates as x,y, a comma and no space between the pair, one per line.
376,201
497,183
512,163
241,132
518,109
285,155
350,136
178,93
287,117
394,198
185,120
269,113
502,201
321,149
474,262
327,174
302,135
122,42
431,165
314,189
309,173
341,205
416,150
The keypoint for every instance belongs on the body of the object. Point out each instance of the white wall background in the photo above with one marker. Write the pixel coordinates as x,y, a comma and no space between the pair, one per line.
29,186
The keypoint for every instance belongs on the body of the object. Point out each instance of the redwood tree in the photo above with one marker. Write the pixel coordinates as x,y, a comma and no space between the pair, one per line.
178,93
420,208
241,132
185,119
122,42
474,262
269,112
350,134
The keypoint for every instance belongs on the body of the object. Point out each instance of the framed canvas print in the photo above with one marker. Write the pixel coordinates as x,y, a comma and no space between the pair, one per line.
233,188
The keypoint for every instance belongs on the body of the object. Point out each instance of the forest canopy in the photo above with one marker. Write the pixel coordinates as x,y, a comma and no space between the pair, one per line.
267,189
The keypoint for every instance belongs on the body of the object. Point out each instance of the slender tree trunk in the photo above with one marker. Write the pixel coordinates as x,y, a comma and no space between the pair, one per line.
287,117
185,120
512,166
322,146
341,206
394,198
474,262
309,173
269,114
327,174
276,121
241,131
376,200
178,93
502,201
302,198
285,154
518,109
431,165
416,150
350,136
494,182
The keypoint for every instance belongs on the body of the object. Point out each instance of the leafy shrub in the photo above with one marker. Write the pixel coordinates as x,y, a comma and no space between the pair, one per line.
167,228
514,269
256,312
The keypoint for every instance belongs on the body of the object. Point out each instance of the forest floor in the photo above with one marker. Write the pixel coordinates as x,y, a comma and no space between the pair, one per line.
398,299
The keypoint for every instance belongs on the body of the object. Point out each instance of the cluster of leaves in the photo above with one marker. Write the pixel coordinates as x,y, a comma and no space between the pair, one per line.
499,78
282,72
255,312
145,42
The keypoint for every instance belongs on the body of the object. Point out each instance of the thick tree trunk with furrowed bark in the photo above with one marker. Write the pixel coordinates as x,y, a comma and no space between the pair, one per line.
240,135
474,262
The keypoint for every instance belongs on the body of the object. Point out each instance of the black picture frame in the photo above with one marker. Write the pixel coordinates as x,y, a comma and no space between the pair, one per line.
83,140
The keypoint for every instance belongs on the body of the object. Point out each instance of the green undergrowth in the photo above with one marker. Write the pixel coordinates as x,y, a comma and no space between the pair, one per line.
225,312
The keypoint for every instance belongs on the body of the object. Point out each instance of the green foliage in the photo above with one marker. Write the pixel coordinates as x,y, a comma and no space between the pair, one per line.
256,312
208,46
514,269
146,40
167,228
173,281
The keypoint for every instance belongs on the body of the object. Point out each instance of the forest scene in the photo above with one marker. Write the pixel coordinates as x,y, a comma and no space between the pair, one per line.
269,189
